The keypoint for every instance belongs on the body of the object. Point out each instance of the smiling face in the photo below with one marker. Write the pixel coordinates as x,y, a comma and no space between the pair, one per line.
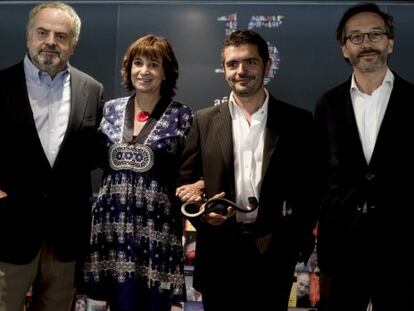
50,40
147,74
367,56
244,69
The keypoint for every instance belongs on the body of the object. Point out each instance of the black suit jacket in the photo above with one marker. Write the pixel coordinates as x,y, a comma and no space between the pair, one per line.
46,205
346,181
285,175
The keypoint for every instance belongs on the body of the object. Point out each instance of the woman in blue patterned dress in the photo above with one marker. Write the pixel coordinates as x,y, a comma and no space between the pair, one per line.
136,257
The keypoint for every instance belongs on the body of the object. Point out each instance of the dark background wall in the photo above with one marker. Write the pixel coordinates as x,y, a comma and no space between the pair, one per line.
303,34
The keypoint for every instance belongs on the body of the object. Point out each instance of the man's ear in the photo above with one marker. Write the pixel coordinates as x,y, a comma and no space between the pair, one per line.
268,66
345,52
390,46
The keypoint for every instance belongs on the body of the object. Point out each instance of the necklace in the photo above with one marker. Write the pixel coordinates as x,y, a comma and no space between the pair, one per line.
142,116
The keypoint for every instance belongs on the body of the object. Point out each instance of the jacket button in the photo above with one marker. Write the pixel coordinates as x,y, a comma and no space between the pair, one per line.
369,176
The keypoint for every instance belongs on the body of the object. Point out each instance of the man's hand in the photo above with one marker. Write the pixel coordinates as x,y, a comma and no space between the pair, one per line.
217,219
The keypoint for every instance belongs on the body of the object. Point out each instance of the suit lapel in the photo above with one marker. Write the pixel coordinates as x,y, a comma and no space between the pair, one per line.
388,122
78,96
349,129
23,116
271,134
224,133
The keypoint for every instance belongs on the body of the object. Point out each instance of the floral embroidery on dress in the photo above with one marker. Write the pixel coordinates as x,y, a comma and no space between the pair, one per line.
136,232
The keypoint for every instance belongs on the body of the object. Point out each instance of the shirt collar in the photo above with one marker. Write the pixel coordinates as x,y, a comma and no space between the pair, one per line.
33,73
388,80
260,112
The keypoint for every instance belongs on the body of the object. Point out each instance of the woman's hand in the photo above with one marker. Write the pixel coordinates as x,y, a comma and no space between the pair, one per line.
191,192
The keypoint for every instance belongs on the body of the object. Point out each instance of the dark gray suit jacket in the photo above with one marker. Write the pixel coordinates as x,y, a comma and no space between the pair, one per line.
346,181
285,178
46,205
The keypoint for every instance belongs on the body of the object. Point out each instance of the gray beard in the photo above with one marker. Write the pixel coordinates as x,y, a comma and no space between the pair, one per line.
369,67
47,63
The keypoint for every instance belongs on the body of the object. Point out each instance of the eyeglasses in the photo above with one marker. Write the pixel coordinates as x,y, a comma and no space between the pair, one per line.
373,36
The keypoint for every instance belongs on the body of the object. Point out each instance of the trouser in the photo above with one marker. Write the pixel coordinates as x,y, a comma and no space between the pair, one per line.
253,281
52,283
371,265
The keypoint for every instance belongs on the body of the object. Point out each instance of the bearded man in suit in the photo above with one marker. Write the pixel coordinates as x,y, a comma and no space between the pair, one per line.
252,146
49,113
363,127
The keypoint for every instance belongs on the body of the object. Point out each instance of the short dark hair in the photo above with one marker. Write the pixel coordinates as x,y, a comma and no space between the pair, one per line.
242,37
152,46
360,8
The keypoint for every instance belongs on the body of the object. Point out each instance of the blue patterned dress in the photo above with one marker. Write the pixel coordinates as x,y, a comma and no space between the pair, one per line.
136,257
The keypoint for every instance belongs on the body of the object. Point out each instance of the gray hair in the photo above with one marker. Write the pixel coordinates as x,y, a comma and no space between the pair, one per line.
76,22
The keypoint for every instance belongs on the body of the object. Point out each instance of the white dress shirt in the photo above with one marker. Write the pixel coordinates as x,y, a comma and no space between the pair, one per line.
50,103
248,143
369,111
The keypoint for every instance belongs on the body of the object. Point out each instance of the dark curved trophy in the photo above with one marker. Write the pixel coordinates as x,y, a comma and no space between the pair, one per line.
193,209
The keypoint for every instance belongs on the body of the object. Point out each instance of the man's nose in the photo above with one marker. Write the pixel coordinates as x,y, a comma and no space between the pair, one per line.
241,68
50,39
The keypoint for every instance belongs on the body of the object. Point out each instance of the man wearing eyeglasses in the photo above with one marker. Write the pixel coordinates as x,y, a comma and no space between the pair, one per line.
363,129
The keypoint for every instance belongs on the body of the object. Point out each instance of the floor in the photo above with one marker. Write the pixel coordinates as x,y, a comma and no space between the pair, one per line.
196,306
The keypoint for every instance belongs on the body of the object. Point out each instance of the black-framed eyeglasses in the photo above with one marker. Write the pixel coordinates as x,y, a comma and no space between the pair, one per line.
373,36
